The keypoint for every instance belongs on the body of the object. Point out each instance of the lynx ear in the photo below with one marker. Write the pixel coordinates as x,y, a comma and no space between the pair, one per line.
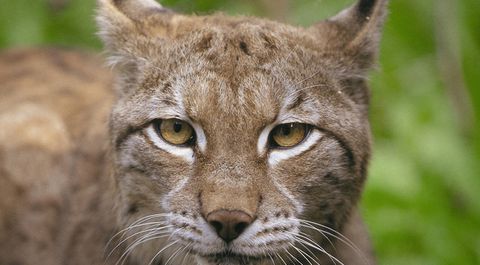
128,26
133,31
351,39
354,32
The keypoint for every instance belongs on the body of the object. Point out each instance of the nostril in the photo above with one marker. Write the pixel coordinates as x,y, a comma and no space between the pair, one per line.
240,227
217,225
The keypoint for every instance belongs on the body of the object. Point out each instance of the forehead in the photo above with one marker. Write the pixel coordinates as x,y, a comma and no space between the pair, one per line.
241,71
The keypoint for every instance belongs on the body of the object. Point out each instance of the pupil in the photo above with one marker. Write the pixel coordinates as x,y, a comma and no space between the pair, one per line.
177,127
286,130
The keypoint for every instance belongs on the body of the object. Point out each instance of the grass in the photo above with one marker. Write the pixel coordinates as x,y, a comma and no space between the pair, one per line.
422,200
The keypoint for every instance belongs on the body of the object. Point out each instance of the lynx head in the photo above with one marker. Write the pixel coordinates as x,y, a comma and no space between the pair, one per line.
234,136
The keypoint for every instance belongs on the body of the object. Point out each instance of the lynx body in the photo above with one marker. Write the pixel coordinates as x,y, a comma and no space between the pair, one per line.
231,140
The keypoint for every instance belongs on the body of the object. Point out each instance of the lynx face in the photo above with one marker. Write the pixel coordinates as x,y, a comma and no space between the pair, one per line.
237,140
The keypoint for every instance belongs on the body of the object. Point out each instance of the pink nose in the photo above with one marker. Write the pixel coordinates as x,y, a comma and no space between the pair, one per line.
229,224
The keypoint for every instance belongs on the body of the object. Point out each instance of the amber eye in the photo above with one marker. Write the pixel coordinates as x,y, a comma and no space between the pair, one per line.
288,134
175,131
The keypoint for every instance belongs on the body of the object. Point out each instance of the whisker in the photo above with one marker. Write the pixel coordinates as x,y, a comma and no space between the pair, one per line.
305,240
301,252
271,258
186,253
278,255
143,239
314,245
175,254
135,224
157,229
307,249
159,252
288,253
308,77
332,232
323,234
312,224
149,217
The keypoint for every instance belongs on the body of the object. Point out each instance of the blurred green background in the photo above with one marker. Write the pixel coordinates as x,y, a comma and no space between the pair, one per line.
422,200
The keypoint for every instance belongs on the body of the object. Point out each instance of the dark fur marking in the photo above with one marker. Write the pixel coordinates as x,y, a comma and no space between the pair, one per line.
126,133
331,179
169,102
269,43
244,47
167,87
205,43
132,209
348,150
298,101
365,7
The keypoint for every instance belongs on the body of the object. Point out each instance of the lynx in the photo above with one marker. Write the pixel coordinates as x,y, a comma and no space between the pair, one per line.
216,140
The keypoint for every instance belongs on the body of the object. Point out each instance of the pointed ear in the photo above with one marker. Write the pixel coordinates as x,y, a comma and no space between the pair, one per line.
132,31
350,41
354,32
128,26
123,21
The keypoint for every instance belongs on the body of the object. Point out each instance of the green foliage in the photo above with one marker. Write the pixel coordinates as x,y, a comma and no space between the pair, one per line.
422,200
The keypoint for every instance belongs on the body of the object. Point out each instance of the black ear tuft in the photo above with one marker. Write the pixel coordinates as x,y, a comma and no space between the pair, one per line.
354,32
365,7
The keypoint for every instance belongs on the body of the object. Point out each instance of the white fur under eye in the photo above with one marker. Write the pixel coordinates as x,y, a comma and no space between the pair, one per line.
184,152
263,139
201,139
278,155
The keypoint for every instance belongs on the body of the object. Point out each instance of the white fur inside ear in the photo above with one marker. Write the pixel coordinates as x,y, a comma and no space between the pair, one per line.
183,152
278,155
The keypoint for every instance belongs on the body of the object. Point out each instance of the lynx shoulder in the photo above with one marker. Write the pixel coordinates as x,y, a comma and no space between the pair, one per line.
216,140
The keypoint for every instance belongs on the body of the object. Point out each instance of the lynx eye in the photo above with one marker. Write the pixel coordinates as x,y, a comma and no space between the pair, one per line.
174,131
288,134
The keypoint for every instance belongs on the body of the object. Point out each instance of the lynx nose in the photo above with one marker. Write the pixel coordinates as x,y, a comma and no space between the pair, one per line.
229,224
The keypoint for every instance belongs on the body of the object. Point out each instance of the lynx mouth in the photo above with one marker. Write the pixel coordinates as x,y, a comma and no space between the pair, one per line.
228,257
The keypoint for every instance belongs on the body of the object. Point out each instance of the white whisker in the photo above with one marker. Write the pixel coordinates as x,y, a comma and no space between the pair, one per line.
157,229
332,232
160,251
186,253
175,254
134,225
309,242
148,237
283,261
302,253
289,254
